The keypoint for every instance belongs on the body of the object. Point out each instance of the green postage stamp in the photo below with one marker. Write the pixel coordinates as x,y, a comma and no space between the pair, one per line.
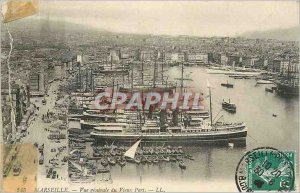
266,169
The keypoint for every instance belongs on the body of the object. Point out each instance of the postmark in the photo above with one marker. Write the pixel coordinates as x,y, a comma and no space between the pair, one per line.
266,169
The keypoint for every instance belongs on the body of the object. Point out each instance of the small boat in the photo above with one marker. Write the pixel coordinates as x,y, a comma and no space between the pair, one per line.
173,159
89,140
103,170
182,165
118,152
189,157
118,158
166,158
230,107
180,151
122,162
137,160
129,160
143,160
238,77
155,159
95,154
151,151
160,158
111,161
269,90
173,151
179,158
145,152
112,152
227,85
104,162
161,151
264,82
140,152
122,148
169,151
148,159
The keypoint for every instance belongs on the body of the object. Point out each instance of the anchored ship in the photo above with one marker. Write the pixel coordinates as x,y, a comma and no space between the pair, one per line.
182,127
177,126
219,134
288,83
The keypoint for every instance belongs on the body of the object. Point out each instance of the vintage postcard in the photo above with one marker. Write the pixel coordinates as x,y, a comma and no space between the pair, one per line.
149,96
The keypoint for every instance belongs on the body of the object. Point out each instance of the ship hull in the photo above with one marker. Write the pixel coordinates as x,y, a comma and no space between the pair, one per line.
287,90
238,138
87,126
231,72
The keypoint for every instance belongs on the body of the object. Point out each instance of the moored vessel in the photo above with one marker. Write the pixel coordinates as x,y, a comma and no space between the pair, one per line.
159,131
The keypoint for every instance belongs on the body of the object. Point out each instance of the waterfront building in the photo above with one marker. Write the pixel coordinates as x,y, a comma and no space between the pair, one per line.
223,59
289,68
36,83
197,58
252,62
19,104
278,63
234,60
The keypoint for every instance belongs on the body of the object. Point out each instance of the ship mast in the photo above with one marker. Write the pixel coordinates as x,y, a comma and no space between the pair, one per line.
123,76
181,84
113,86
142,68
86,79
111,61
91,80
79,75
210,108
162,68
154,73
131,78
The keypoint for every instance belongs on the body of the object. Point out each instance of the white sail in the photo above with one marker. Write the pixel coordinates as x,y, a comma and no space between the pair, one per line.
131,151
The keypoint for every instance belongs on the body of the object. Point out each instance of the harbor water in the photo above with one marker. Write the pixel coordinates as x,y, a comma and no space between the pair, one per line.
255,107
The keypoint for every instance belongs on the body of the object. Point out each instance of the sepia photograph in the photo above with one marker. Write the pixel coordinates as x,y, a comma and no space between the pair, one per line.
149,96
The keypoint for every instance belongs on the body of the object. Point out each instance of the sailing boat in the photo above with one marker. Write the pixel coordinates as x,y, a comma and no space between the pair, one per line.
84,171
131,151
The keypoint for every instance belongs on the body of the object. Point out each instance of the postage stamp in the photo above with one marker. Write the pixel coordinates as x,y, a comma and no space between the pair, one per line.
149,96
266,169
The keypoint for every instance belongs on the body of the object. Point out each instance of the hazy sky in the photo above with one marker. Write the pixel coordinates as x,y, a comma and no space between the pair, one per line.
201,18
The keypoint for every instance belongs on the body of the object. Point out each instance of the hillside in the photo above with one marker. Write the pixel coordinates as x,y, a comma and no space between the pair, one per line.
287,34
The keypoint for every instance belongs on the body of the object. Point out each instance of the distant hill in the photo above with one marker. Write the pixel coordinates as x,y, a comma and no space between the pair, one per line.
287,34
38,26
